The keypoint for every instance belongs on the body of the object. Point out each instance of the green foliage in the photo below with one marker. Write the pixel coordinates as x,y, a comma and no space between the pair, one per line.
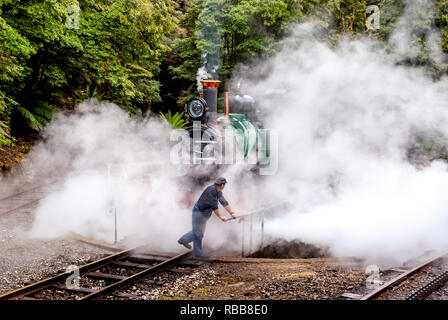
184,60
38,118
5,108
43,113
5,118
5,140
391,11
176,121
4,128
14,50
111,50
223,33
442,23
350,15
30,118
5,115
145,54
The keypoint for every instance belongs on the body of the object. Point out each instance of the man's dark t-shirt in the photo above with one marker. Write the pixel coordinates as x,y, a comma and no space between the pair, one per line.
208,201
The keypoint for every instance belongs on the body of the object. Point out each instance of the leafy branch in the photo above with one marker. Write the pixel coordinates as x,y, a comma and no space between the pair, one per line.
176,121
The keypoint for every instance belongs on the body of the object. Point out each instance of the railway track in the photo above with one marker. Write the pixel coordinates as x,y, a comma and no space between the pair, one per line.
23,199
102,277
416,283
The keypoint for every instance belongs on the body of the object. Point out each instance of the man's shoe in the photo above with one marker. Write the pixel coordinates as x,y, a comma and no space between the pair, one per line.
200,256
186,245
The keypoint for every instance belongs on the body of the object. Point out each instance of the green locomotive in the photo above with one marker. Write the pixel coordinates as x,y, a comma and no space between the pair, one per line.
210,132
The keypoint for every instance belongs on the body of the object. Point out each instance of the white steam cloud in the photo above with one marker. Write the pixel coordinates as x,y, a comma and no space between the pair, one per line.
346,120
110,162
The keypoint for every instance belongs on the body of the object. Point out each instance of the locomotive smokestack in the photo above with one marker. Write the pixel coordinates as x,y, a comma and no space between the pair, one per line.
210,93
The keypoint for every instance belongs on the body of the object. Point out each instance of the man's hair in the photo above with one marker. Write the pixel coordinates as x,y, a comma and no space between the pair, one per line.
220,181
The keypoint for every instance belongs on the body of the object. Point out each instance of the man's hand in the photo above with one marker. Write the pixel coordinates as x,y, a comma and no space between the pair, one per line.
224,218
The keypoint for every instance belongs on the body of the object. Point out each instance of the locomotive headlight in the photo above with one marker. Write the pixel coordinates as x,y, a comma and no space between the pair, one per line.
196,108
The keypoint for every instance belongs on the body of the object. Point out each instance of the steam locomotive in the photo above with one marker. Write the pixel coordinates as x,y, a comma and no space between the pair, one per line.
219,140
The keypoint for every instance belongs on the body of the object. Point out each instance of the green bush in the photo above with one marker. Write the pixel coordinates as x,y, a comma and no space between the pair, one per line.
176,121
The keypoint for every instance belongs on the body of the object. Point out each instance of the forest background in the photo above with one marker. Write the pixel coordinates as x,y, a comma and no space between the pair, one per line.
146,55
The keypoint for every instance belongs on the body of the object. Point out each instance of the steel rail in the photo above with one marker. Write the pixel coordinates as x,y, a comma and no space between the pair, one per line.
28,190
154,269
92,242
38,286
429,287
377,292
54,282
19,193
28,204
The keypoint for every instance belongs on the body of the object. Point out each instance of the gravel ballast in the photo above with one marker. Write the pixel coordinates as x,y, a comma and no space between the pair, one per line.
25,260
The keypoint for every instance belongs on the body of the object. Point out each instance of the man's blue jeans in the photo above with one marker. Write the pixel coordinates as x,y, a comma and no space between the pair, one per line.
199,220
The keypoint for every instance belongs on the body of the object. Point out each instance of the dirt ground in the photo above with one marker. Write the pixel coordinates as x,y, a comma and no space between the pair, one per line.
26,260
230,278
12,156
281,279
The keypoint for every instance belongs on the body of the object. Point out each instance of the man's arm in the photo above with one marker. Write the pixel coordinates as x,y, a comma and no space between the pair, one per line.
219,215
222,200
227,207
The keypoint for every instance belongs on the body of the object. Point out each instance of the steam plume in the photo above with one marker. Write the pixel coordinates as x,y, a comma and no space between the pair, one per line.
347,121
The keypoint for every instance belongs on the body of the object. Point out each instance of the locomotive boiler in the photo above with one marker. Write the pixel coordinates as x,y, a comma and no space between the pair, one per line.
222,139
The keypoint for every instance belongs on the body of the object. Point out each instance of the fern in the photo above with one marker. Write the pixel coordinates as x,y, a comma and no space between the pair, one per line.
176,121
3,133
36,120
143,72
30,119
43,113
